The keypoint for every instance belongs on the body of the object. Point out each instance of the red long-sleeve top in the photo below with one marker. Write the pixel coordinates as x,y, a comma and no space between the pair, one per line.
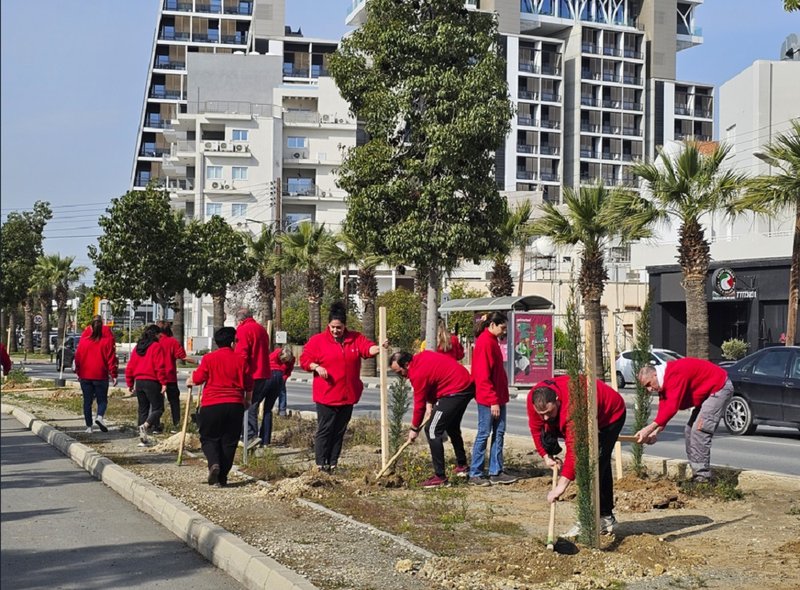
151,366
687,383
252,344
342,361
488,371
456,350
434,375
5,360
226,377
610,408
96,360
172,352
276,364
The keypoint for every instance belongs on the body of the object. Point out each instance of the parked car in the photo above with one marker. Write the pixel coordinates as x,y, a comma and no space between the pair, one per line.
624,365
766,390
68,351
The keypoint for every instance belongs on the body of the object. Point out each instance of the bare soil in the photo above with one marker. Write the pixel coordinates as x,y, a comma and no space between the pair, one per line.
482,538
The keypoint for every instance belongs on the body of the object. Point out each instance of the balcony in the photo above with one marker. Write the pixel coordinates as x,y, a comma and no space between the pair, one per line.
635,80
240,10
237,39
211,37
682,110
704,113
610,77
527,121
550,124
590,127
289,71
611,129
527,149
170,65
142,179
631,106
549,176
166,94
629,157
208,8
166,35
610,156
547,150
527,94
613,51
526,174
153,151
550,70
587,153
632,53
590,75
588,101
610,103
156,123
528,67
551,97
589,48
630,181
588,178
175,6
300,190
180,184
631,131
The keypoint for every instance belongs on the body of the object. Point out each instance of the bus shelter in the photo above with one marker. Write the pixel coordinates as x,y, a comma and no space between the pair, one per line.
528,346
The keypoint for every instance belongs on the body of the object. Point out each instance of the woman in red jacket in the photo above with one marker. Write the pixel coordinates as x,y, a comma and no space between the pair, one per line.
448,343
173,352
228,391
146,375
281,360
334,357
95,363
491,393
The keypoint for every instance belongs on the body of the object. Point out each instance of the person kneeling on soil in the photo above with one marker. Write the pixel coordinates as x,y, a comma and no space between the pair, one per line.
226,396
549,417
443,389
282,362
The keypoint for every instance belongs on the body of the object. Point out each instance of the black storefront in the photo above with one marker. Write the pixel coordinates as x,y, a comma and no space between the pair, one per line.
747,299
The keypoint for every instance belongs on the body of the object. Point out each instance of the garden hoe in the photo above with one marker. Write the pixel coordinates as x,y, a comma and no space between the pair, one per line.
399,452
551,529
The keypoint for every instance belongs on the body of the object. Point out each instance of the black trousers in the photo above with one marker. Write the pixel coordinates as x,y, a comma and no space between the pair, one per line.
260,387
332,423
273,391
220,427
446,417
151,401
174,399
607,438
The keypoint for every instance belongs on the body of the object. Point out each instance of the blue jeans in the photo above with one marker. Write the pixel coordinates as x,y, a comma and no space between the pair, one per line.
94,390
497,428
273,391
282,397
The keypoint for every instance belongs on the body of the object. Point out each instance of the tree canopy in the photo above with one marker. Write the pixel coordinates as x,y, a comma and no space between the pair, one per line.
20,246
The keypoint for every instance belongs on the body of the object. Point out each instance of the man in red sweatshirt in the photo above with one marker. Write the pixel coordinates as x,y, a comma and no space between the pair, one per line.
550,417
443,389
252,344
683,384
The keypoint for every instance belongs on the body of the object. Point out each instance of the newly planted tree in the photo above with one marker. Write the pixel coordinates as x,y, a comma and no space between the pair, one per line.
641,406
427,80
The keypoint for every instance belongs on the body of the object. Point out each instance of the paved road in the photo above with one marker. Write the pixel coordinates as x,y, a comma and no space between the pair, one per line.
61,528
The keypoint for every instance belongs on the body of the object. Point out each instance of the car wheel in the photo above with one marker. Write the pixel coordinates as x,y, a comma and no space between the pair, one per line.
620,380
739,417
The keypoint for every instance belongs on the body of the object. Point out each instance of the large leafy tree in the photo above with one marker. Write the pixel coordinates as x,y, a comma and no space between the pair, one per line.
56,275
684,187
217,258
586,222
427,80
304,251
776,194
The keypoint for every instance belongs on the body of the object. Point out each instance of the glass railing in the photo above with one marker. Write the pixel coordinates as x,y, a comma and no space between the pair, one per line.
545,8
549,70
153,151
547,150
633,54
631,106
528,67
526,149
170,65
176,6
590,75
551,97
589,48
550,124
526,174
589,154
588,101
632,80
549,176
156,123
611,103
590,127
611,51
610,77
527,121
237,39
242,10
631,131
174,36
167,94
527,94
693,31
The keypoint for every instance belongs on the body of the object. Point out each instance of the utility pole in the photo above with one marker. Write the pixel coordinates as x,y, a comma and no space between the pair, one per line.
278,288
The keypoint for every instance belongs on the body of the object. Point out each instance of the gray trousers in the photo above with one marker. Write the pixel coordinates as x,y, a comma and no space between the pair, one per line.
700,430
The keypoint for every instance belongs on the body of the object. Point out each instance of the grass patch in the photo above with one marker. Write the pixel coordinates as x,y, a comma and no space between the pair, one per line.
363,431
266,466
794,510
723,488
17,377
447,505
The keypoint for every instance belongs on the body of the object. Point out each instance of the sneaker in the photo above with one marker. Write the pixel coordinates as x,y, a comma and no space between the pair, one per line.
574,531
435,482
607,524
253,443
157,431
142,444
101,423
88,430
213,475
173,430
502,479
143,434
282,414
479,481
461,471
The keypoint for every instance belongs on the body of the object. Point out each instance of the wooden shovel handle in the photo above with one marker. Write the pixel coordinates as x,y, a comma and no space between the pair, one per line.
551,529
185,426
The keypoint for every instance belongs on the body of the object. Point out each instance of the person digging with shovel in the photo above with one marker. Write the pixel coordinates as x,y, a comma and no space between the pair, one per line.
549,417
443,389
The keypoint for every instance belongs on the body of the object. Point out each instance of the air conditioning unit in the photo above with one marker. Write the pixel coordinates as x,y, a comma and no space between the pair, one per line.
326,118
240,147
340,121
223,147
216,184
296,155
211,146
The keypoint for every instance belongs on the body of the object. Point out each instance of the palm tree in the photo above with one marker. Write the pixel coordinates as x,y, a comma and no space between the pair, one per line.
773,195
62,273
585,221
685,186
302,251
42,291
516,234
262,251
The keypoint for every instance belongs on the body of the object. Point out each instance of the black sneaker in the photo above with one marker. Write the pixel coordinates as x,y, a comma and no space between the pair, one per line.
479,481
502,479
213,475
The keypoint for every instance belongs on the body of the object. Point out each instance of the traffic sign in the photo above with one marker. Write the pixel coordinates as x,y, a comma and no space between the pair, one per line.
280,337
38,319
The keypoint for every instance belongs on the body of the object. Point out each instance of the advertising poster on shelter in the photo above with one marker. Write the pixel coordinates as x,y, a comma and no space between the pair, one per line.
533,347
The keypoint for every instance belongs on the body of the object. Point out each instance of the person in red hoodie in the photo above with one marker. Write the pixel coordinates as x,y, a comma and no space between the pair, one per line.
226,396
106,331
448,343
442,391
96,363
491,393
5,360
682,384
550,418
146,375
334,357
282,362
252,344
173,352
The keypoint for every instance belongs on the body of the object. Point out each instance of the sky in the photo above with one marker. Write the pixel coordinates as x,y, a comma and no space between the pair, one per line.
72,78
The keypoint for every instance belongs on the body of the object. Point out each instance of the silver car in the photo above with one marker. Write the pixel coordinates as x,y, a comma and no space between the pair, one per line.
658,356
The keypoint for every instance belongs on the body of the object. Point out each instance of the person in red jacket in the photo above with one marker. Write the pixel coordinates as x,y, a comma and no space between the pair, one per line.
334,357
106,331
252,344
282,362
683,384
448,343
442,391
550,418
95,363
5,360
491,393
146,375
226,395
173,352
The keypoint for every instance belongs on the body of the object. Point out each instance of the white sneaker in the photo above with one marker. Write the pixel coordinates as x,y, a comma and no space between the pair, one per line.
574,531
101,423
88,430
143,434
607,524
142,444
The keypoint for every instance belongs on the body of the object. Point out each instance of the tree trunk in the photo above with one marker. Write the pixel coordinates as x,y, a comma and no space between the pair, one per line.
45,303
593,313
218,302
368,291
315,288
696,317
266,288
421,286
794,280
432,308
27,338
61,327
12,325
521,270
177,317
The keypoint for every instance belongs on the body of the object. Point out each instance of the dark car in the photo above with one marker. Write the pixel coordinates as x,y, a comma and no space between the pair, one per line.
766,390
68,351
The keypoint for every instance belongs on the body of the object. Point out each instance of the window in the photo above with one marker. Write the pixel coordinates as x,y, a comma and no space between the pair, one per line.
239,209
239,135
239,172
213,209
772,363
300,186
214,172
795,374
296,142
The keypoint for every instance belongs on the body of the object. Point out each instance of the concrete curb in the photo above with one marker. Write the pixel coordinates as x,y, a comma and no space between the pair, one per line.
241,561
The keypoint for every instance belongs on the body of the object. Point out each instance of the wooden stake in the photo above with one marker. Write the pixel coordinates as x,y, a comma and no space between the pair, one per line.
591,395
618,458
551,529
612,349
185,426
399,452
384,373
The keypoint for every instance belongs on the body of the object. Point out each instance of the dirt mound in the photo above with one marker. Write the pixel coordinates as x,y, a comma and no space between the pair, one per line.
172,444
307,485
642,495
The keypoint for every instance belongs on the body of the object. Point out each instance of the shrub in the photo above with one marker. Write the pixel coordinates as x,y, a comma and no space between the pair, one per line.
17,377
641,357
734,349
402,317
399,402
